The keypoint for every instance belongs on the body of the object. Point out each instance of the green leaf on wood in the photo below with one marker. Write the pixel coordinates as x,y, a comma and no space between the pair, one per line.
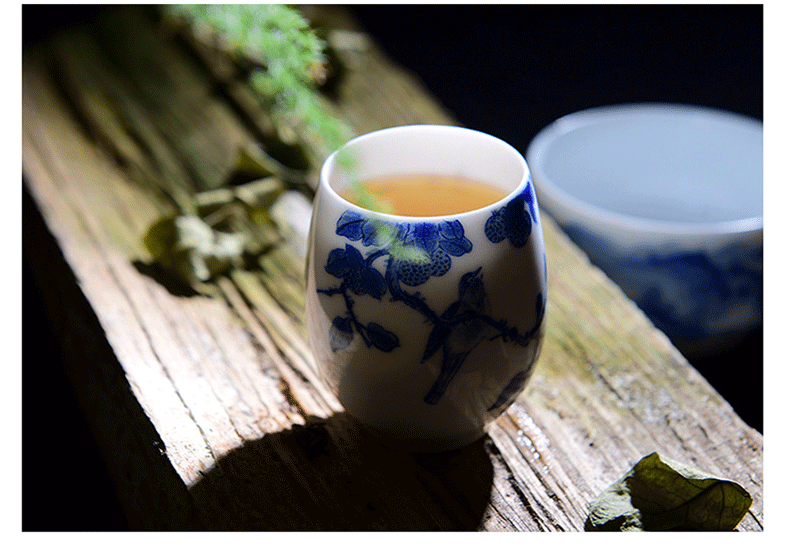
660,494
289,52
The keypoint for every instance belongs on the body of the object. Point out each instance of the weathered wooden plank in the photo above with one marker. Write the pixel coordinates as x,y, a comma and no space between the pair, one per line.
228,411
98,276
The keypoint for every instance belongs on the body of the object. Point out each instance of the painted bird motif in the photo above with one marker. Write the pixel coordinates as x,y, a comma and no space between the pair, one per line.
460,329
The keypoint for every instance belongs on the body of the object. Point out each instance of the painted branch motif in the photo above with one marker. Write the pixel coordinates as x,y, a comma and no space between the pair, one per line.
465,324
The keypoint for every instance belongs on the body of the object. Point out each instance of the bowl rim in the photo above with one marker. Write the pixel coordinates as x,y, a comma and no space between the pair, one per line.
556,195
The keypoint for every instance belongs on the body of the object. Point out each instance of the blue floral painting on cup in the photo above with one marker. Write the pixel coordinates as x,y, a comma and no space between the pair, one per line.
462,326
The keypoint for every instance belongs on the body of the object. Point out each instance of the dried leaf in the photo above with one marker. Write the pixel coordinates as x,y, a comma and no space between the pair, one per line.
289,162
189,246
660,494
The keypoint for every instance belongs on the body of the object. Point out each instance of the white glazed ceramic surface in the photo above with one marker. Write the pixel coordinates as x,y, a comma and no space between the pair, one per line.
427,354
667,199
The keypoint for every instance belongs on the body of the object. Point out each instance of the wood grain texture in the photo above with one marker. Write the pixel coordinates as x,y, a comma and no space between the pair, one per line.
208,406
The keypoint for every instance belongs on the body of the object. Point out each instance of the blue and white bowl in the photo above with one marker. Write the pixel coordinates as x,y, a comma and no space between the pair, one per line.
667,200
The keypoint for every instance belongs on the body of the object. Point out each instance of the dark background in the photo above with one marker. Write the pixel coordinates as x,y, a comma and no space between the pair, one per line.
511,70
505,70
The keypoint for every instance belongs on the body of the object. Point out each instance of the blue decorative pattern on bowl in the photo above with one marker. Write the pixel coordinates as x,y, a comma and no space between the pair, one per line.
667,200
689,295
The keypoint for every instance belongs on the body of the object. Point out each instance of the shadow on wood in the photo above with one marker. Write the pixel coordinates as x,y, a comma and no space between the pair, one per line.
326,475
330,475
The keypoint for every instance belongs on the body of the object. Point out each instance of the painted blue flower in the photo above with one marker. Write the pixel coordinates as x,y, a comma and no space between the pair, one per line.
349,265
355,226
439,242
513,221
350,225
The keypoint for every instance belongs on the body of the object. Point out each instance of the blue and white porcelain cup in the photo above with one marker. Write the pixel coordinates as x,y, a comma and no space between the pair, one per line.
427,353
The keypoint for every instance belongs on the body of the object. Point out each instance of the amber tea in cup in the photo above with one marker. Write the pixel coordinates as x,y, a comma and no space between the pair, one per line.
428,195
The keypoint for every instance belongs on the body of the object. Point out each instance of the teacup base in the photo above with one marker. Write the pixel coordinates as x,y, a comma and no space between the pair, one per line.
403,441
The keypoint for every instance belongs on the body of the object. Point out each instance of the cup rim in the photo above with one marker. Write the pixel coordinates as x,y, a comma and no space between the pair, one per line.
554,195
329,163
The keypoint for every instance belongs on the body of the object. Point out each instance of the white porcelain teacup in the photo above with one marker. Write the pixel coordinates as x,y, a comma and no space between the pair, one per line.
427,357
